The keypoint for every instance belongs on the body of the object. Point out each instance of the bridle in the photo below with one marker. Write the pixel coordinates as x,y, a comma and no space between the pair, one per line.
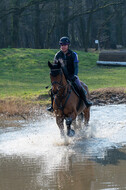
57,95
60,83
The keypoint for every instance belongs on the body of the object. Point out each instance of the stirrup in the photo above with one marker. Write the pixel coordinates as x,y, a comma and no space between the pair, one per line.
88,104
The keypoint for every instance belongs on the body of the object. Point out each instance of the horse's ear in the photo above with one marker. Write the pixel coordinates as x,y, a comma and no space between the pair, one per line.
49,64
59,64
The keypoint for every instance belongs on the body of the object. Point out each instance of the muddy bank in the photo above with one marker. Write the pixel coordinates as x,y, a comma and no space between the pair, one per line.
22,109
108,96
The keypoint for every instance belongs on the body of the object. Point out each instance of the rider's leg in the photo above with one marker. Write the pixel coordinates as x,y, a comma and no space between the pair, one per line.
50,108
82,91
83,96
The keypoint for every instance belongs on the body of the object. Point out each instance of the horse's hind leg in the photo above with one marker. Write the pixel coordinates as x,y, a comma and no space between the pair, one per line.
80,120
81,117
86,112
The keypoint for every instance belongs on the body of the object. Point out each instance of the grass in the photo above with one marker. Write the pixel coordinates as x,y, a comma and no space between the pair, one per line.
24,73
100,76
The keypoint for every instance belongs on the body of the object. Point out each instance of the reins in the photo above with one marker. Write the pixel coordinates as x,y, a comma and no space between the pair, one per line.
60,98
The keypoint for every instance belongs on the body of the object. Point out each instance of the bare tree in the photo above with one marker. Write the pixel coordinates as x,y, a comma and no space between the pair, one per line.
40,23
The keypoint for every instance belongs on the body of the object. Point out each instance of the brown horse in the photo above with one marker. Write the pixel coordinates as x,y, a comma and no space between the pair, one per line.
66,104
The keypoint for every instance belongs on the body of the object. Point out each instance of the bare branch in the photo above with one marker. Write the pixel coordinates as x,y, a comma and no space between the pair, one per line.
20,10
76,14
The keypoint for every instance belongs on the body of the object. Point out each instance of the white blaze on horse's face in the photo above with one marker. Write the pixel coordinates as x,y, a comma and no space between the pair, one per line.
56,76
56,84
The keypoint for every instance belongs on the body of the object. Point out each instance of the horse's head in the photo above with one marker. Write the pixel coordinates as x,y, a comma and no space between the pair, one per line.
56,76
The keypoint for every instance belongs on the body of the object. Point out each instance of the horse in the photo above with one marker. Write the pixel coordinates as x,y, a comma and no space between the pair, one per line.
67,104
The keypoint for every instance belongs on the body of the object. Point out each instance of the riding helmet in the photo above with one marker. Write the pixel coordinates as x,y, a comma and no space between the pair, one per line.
64,41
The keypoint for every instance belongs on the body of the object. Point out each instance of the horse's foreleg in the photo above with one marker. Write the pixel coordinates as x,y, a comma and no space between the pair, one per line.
70,132
59,121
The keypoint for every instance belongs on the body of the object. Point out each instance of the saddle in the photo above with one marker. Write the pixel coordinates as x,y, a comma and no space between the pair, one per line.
74,88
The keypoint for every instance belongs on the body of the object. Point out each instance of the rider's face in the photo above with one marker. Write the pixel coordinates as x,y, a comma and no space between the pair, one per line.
64,48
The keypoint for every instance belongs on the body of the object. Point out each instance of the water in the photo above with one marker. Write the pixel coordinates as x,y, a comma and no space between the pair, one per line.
34,157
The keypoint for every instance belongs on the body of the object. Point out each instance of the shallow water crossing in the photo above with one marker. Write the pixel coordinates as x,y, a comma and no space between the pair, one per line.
34,157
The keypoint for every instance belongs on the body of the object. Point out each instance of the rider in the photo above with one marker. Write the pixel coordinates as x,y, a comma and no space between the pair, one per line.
69,62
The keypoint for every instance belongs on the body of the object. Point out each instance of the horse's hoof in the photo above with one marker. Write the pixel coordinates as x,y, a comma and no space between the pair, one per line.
70,133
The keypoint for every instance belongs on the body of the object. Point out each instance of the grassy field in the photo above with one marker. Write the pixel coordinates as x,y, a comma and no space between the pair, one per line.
24,72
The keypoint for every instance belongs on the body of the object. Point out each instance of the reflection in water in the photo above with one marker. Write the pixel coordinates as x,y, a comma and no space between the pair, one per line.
34,157
31,174
112,156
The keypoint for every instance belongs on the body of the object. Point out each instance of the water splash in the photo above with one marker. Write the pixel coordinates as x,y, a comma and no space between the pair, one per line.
107,128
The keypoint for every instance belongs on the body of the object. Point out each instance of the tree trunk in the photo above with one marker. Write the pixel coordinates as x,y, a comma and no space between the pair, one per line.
37,26
82,31
58,19
119,19
65,18
88,32
93,6
15,25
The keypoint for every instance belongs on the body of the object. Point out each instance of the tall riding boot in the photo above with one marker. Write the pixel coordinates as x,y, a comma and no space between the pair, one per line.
50,108
83,96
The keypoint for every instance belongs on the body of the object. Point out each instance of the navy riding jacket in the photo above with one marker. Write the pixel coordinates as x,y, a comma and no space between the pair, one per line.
70,60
